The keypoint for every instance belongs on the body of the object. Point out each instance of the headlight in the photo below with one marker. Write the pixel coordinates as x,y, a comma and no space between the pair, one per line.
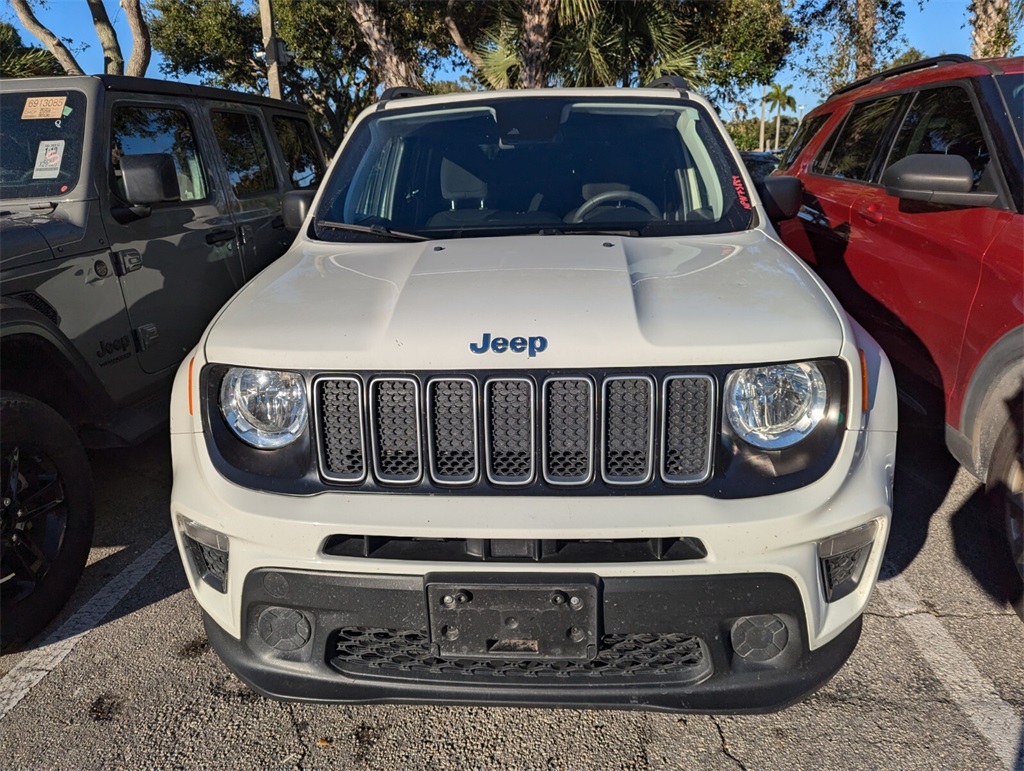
264,408
774,407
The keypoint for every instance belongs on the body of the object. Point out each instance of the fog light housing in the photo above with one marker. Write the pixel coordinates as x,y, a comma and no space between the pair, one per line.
208,552
284,629
843,558
759,638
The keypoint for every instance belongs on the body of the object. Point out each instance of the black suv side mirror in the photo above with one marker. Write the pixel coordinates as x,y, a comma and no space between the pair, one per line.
938,179
781,196
149,178
296,207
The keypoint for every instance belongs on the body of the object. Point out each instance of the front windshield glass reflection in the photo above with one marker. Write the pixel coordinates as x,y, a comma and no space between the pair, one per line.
529,165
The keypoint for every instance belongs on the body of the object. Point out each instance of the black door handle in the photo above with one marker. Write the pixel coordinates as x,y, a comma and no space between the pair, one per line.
219,236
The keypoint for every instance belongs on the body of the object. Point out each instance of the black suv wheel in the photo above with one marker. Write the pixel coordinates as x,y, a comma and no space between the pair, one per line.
47,516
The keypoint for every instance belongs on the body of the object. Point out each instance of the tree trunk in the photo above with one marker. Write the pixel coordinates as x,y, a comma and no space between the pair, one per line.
460,42
394,69
47,38
990,28
142,47
864,43
778,124
764,93
538,24
113,59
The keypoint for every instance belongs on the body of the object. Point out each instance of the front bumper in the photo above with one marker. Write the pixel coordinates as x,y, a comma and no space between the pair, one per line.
664,643
761,560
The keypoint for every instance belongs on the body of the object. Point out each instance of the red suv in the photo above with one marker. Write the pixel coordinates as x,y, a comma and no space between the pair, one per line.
913,213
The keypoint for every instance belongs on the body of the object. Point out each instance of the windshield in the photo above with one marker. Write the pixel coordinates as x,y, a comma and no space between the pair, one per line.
41,138
534,165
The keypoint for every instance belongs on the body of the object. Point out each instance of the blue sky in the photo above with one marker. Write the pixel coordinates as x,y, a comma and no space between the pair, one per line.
940,26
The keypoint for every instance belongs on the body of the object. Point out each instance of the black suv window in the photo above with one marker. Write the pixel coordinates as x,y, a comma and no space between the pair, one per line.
40,143
245,152
850,152
300,153
145,130
942,121
804,135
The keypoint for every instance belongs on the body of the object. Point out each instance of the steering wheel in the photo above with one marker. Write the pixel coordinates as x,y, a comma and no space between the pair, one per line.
616,195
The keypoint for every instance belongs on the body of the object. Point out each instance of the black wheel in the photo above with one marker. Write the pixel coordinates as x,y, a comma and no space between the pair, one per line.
1006,495
47,516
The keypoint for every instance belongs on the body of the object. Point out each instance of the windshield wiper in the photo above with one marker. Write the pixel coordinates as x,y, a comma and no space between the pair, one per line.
373,230
615,232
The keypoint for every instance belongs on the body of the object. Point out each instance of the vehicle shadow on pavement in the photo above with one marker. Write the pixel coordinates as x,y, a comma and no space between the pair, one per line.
924,475
980,542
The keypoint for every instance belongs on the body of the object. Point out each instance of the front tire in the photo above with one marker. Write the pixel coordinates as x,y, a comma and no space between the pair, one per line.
47,515
1005,488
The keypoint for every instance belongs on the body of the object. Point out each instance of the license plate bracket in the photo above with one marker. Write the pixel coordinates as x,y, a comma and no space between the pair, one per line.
513,621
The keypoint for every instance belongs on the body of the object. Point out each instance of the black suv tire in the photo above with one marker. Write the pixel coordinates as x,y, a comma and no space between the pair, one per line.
1005,490
47,518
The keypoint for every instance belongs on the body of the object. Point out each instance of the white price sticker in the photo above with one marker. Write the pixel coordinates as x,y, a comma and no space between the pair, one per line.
48,159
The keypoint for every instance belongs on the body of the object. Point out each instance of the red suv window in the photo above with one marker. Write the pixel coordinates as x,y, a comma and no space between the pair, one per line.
851,150
942,121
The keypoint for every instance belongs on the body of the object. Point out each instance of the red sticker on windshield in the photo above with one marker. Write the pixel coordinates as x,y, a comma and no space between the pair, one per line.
741,191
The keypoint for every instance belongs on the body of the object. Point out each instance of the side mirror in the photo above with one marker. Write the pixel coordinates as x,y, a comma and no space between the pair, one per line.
938,179
781,196
149,178
296,207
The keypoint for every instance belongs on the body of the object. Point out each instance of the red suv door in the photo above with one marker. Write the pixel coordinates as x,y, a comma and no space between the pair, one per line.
920,261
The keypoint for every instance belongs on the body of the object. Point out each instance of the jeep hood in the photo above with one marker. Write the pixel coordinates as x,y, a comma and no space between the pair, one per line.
598,301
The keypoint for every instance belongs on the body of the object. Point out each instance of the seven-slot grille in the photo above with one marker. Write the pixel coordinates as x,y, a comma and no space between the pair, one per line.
564,430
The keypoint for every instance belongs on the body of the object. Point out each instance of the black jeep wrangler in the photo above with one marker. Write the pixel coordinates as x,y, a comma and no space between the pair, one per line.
130,211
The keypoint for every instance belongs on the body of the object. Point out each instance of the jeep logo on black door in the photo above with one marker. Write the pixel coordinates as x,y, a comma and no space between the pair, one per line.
529,345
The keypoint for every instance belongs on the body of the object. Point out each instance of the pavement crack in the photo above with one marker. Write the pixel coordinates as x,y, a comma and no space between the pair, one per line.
937,614
725,744
296,759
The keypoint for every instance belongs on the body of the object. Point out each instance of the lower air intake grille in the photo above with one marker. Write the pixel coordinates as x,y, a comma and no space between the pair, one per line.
397,653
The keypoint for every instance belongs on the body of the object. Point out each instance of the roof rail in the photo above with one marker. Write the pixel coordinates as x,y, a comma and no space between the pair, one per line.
669,81
400,92
935,61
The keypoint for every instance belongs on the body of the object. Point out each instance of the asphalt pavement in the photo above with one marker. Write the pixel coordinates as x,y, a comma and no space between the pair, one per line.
125,677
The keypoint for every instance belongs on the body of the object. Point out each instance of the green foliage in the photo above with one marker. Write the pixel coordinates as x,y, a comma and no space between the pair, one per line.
725,45
779,99
333,72
829,34
18,60
742,42
747,133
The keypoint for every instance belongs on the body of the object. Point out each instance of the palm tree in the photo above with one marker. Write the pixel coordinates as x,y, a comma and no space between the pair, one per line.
590,44
18,60
779,99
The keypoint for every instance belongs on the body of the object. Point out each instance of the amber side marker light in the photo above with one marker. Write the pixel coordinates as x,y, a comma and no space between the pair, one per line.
192,362
863,382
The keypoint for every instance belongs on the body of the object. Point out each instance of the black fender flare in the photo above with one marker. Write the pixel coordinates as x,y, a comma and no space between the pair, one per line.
18,319
995,383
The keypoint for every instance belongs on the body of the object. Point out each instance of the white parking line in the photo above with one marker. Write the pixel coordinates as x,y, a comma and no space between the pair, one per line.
969,689
31,670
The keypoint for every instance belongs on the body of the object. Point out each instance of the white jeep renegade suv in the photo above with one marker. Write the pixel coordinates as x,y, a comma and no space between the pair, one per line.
536,410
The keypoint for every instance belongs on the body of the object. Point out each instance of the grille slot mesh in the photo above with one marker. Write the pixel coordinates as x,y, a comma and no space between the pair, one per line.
628,418
452,427
342,429
510,431
396,429
567,430
687,430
